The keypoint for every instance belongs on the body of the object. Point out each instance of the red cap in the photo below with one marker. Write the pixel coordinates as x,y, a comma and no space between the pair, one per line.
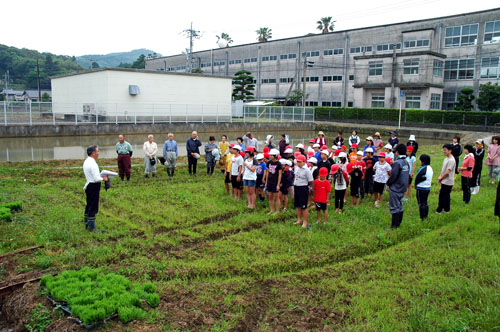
250,149
242,154
334,169
288,147
337,152
409,148
231,145
297,153
312,140
266,155
349,167
301,158
344,147
324,147
265,150
388,159
279,157
355,146
323,171
381,154
310,153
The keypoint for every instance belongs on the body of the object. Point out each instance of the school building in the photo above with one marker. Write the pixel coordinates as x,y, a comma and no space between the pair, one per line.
427,61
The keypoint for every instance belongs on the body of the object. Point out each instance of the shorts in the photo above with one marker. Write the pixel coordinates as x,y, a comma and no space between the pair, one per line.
355,191
271,187
378,187
284,190
320,206
301,197
259,183
410,178
235,183
249,183
227,178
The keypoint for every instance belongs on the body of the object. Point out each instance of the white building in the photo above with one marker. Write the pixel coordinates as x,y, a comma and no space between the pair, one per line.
114,94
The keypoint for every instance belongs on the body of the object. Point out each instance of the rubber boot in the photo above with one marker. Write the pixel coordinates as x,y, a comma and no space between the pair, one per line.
92,227
168,172
394,222
173,170
86,221
422,212
400,218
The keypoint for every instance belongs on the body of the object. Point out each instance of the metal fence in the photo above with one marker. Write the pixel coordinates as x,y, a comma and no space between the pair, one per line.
27,113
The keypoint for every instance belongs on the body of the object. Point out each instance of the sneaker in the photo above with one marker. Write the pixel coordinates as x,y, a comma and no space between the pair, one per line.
376,204
404,200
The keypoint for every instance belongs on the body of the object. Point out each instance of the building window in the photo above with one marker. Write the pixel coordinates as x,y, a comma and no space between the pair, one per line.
265,58
286,79
449,99
461,35
331,78
410,66
350,104
490,67
360,49
351,77
435,101
412,102
337,51
331,103
378,101
246,60
417,43
283,56
310,79
388,47
310,54
219,63
292,56
375,68
326,103
438,68
311,103
459,69
269,58
268,80
234,62
492,32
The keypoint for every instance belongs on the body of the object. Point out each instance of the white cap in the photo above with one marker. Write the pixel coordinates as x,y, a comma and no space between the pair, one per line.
274,152
260,156
313,160
283,161
288,162
369,138
325,152
342,155
334,147
300,146
479,141
369,150
237,147
288,151
316,145
388,146
359,153
412,137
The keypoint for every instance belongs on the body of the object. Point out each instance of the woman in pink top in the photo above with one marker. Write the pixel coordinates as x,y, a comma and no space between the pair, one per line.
493,158
321,140
466,172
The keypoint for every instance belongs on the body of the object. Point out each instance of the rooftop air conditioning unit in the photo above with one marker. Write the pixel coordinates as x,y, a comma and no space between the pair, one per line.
133,90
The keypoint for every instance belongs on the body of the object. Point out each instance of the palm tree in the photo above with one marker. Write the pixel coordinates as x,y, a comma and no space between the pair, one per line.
226,37
326,24
264,34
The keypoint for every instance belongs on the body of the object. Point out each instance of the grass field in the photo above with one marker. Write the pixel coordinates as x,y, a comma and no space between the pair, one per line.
219,267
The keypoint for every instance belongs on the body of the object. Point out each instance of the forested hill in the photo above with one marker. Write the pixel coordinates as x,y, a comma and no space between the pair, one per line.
21,64
112,59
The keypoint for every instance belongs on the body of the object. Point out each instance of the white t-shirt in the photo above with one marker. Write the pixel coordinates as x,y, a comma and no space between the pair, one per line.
248,174
381,175
302,176
236,162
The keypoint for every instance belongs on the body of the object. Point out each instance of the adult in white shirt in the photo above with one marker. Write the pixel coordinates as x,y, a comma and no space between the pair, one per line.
92,187
150,150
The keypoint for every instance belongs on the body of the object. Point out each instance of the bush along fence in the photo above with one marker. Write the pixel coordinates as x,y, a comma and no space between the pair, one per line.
413,117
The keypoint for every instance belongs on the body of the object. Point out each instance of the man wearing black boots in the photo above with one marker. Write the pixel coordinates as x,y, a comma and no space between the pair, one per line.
92,187
398,184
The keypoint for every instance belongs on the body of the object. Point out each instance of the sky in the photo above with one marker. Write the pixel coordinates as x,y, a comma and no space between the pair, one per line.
100,27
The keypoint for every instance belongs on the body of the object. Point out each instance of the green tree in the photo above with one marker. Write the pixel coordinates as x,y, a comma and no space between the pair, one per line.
124,65
94,65
296,97
243,85
197,71
140,63
45,97
325,24
489,97
2,98
465,99
264,34
226,37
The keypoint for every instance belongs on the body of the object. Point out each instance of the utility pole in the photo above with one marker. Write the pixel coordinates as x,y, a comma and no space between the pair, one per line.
191,34
6,80
304,83
38,81
393,76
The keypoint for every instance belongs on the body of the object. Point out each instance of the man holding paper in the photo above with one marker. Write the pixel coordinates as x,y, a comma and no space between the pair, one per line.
92,187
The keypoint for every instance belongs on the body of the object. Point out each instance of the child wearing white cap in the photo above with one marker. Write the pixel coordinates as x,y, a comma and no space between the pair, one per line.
273,181
414,144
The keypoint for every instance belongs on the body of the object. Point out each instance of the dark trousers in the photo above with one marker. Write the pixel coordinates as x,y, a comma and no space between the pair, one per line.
92,193
368,184
466,182
124,165
192,162
444,198
422,196
339,199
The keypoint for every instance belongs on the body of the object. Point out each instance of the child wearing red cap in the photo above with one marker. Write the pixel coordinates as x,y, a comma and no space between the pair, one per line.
410,158
303,179
322,188
340,179
353,156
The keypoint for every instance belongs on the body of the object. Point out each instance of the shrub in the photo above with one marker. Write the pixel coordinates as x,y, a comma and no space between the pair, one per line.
13,206
5,214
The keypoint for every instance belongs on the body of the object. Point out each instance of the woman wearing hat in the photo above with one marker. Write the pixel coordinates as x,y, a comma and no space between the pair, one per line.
414,144
269,141
393,140
369,144
478,166
321,140
377,142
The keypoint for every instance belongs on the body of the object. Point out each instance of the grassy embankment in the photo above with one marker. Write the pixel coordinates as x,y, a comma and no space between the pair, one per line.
218,266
